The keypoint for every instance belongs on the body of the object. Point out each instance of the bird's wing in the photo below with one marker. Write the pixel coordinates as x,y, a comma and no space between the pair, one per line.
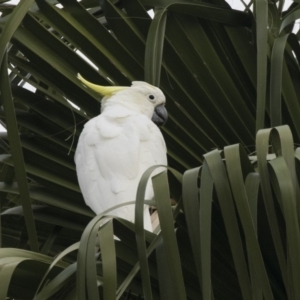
112,154
153,152
88,173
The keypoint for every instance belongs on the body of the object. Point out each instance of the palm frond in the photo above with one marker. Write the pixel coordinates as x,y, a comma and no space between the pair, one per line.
225,74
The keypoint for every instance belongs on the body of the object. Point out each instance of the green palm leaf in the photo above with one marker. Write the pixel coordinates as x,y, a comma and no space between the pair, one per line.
225,74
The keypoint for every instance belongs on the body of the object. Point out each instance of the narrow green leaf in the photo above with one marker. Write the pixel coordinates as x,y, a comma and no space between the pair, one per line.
261,12
162,199
87,277
291,97
276,80
184,33
140,238
204,10
6,272
14,252
122,288
252,183
262,145
206,198
43,76
283,144
87,42
10,261
288,199
129,56
154,47
9,29
63,278
165,285
219,176
2,198
50,197
239,167
190,197
55,262
108,255
140,232
51,239
60,180
16,150
209,12
60,72
53,216
124,27
12,24
288,19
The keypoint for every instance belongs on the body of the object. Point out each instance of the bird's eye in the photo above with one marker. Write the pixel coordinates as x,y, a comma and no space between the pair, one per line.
151,97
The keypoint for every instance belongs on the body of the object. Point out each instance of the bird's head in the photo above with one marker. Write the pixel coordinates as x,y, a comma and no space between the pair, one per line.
141,97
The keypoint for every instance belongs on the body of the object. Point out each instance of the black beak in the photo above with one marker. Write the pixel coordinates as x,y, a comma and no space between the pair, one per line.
160,115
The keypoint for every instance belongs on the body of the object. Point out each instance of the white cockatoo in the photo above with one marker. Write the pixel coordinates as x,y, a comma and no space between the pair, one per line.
119,145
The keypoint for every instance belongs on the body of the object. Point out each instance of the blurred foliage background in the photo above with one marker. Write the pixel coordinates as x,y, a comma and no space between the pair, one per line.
227,75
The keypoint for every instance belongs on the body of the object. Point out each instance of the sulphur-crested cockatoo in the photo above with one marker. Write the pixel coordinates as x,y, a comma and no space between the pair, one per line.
118,146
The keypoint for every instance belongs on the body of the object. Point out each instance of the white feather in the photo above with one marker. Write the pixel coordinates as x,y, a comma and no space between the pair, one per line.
117,147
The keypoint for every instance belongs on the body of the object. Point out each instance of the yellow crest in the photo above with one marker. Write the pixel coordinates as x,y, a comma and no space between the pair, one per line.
103,90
